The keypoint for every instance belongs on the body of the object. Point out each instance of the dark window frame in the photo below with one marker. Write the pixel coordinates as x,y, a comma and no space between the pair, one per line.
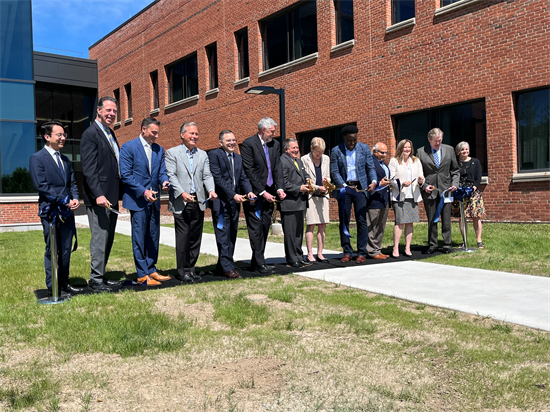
331,135
395,14
448,2
241,38
212,56
129,108
154,76
116,95
186,77
340,19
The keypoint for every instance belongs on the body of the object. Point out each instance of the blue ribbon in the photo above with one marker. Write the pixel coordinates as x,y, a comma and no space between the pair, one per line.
258,208
342,202
220,216
440,207
463,193
56,208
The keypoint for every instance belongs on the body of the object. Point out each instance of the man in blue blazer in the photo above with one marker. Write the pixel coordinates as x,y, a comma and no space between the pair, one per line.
53,177
230,180
378,203
143,171
351,165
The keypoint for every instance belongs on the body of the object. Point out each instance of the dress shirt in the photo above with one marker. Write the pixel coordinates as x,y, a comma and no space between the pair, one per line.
386,170
54,157
350,160
190,154
106,132
438,151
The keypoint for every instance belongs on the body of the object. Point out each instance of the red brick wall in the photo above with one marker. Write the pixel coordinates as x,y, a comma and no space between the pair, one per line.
19,213
487,50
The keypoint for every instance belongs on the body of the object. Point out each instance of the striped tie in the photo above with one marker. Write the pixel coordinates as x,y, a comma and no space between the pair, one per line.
436,159
149,155
115,149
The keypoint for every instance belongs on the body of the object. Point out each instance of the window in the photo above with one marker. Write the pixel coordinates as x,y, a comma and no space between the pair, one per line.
128,90
290,36
344,20
331,135
459,122
155,88
401,10
447,2
183,79
116,95
241,38
212,55
533,131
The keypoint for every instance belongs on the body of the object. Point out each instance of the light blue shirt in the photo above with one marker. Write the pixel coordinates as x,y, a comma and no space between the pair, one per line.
438,151
350,161
190,154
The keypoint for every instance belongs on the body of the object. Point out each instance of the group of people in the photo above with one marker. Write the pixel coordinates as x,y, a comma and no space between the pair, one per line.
257,178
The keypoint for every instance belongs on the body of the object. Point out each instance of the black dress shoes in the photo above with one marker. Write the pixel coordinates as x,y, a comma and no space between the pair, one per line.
430,251
185,278
307,262
99,286
264,269
194,276
71,289
447,250
112,283
296,265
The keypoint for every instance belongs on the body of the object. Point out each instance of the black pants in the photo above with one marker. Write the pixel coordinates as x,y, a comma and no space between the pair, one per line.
258,229
188,225
227,236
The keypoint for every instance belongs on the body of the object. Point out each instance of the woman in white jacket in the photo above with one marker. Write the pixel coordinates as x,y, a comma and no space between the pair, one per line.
406,176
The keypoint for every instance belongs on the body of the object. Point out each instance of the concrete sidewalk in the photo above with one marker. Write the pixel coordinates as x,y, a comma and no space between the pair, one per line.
521,299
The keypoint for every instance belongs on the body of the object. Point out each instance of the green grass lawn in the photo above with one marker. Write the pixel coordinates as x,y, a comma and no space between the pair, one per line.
516,248
309,346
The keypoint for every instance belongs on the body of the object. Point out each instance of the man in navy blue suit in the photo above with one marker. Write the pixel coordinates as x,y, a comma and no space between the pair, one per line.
351,165
143,171
53,177
378,203
230,180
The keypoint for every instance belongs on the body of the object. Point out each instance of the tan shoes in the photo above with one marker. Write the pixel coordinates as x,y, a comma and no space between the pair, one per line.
148,281
159,277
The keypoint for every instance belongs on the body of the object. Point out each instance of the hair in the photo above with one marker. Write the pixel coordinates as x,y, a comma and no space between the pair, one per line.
184,126
399,151
223,133
104,99
349,129
459,148
149,121
286,143
318,142
47,127
434,133
266,122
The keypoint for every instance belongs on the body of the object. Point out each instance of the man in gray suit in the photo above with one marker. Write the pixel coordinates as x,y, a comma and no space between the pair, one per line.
189,173
441,173
293,206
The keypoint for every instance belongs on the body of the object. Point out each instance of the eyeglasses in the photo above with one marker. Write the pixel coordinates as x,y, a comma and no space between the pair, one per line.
381,152
60,134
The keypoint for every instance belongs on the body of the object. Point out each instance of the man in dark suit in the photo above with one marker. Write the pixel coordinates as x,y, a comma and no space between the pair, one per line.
441,173
351,165
230,180
295,203
262,165
143,171
53,177
99,152
188,170
378,203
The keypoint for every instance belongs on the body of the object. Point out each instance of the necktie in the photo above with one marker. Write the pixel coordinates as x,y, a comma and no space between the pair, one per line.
115,148
436,159
60,164
149,154
296,164
269,174
230,155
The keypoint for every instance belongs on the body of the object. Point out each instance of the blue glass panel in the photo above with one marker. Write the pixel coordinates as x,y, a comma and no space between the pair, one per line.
533,116
16,101
16,40
17,144
402,10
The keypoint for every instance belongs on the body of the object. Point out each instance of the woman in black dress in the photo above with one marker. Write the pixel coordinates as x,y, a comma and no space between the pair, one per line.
470,176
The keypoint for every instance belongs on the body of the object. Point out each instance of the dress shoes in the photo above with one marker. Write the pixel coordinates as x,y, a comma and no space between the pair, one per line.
360,259
379,256
310,261
393,256
185,278
264,269
233,274
194,276
447,249
99,286
321,260
71,289
147,280
430,251
112,283
346,259
408,254
159,277
307,262
62,293
296,265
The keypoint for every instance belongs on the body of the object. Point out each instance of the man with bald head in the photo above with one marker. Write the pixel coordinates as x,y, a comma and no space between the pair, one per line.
378,203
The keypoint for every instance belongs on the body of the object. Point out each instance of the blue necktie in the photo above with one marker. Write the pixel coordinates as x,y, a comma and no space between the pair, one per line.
60,164
269,174
436,159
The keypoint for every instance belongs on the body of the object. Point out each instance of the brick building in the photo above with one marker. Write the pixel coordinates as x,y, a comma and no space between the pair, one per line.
477,69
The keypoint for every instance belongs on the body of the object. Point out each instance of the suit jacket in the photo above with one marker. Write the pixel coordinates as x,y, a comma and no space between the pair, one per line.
48,179
310,167
134,170
379,199
294,200
223,179
363,165
99,166
399,171
255,164
180,177
447,175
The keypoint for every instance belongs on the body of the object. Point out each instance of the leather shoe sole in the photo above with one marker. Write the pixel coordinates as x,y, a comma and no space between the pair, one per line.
361,259
159,277
346,259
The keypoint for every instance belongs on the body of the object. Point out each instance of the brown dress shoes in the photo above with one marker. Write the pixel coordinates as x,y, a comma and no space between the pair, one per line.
159,277
148,281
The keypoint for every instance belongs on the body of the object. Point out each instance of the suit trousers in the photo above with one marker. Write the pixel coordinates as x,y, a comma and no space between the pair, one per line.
293,229
359,203
431,207
226,237
102,225
145,239
376,220
64,237
188,225
258,229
